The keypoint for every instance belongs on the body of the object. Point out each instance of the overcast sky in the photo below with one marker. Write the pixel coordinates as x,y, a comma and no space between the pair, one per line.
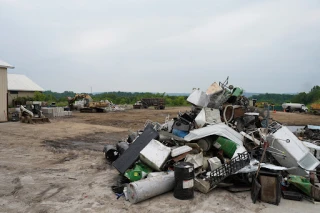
163,45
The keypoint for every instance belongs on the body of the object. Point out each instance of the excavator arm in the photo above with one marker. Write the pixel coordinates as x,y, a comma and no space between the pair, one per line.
78,97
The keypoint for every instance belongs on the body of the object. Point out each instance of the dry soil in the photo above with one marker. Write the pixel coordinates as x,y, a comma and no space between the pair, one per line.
60,167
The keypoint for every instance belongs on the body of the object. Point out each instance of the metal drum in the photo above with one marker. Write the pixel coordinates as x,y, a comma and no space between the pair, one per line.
184,180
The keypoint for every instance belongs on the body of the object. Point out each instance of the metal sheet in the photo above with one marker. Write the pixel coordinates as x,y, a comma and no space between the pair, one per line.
297,154
198,98
212,115
17,82
195,159
131,155
180,150
254,167
213,88
4,64
3,94
155,154
217,129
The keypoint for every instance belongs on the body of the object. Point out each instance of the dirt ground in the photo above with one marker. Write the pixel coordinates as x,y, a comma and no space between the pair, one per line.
60,167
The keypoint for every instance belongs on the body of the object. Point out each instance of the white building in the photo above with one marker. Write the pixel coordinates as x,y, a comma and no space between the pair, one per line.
21,86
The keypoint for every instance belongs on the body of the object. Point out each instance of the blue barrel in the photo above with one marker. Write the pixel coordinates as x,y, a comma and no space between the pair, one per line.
179,133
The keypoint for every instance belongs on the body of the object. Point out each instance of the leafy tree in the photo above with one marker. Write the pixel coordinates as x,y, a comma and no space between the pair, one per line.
273,98
308,98
38,96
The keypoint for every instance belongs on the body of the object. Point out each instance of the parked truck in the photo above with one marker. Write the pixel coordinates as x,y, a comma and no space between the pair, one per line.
144,103
294,107
315,109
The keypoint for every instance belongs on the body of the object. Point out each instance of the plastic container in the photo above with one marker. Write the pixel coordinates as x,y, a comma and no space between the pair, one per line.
184,181
237,91
138,172
179,133
228,146
301,183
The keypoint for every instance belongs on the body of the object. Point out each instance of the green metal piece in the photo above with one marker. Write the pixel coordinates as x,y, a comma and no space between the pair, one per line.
237,91
301,183
228,146
138,172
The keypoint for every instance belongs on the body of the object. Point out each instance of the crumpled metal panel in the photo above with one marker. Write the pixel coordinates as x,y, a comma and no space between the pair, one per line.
198,98
297,154
217,129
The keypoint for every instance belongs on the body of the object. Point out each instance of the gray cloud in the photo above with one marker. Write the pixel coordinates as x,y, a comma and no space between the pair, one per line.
163,45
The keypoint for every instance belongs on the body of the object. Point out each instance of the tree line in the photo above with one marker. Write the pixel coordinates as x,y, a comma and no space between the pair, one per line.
305,98
132,97
308,98
276,99
116,97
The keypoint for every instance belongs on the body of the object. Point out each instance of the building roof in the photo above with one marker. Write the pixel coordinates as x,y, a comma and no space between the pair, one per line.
5,64
17,82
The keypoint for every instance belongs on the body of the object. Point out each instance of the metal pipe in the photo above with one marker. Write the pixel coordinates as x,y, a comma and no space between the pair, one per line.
150,187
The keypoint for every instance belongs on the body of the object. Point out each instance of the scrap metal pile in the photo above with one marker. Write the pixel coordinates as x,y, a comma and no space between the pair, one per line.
223,141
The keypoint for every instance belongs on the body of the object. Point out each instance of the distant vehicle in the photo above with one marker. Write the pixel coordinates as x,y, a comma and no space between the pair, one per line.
89,104
315,109
158,103
293,107
32,113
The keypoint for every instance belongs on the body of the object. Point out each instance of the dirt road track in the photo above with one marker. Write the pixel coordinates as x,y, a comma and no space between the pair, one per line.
60,167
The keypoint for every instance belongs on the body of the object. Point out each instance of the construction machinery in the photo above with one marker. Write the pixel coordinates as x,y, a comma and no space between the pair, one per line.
315,108
89,105
32,113
158,103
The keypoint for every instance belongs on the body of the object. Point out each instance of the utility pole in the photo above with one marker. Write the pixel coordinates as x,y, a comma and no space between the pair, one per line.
91,89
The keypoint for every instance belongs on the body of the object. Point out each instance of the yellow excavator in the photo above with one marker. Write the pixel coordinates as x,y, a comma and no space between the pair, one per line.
89,104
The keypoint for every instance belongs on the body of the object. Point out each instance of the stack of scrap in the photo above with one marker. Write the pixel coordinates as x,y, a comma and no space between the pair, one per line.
52,112
224,140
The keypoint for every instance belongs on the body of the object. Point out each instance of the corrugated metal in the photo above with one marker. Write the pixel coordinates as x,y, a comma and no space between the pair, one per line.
17,82
4,64
3,94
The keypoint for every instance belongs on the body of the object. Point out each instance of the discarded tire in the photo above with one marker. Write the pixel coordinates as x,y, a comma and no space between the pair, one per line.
184,181
111,152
